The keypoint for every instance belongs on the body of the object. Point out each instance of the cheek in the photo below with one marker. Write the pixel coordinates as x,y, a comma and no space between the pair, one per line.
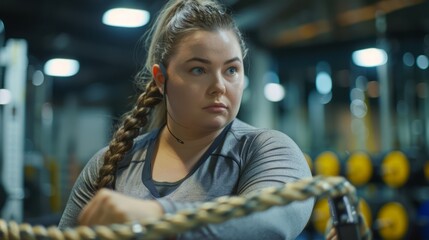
236,92
184,97
237,89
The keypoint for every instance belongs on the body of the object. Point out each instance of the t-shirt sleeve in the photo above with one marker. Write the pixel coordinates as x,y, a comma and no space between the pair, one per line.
269,159
82,192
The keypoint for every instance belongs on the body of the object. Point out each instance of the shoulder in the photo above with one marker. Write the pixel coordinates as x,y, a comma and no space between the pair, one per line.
140,143
97,159
144,139
262,142
243,131
248,142
265,153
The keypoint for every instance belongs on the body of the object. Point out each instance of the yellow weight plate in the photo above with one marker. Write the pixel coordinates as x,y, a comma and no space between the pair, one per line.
365,210
392,221
327,164
309,162
359,168
395,169
321,215
426,170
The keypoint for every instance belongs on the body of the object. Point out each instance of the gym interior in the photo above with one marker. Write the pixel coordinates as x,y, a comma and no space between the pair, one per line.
347,80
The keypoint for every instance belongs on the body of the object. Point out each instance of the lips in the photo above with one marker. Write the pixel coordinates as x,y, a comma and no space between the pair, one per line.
216,107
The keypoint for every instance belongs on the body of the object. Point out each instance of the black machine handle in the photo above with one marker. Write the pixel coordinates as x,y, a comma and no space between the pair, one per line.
345,219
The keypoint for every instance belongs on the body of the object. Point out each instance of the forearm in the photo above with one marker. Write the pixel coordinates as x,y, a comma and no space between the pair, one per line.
284,222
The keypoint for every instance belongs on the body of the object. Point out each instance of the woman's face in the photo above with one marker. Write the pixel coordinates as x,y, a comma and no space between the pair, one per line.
205,80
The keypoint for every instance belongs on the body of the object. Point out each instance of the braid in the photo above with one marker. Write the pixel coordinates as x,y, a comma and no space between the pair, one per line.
124,137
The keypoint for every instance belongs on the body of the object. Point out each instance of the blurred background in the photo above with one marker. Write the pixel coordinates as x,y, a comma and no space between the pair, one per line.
346,79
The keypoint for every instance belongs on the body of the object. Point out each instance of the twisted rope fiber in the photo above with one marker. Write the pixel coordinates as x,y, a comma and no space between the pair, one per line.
217,211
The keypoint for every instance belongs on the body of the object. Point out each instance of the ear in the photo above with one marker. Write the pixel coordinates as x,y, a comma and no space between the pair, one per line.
159,77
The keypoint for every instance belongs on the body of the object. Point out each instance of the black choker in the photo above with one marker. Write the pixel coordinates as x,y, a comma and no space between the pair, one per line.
177,139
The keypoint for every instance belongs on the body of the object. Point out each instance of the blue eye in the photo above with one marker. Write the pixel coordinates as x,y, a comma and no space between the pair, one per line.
232,70
197,70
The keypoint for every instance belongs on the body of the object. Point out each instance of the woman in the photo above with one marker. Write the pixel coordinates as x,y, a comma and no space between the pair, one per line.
195,149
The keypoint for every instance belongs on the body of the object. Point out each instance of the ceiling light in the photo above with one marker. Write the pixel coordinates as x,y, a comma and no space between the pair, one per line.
126,17
370,57
274,92
61,67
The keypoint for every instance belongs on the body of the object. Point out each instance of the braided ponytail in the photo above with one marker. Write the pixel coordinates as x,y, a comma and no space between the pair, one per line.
123,138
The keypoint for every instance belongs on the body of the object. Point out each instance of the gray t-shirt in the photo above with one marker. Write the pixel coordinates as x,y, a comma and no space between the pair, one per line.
241,161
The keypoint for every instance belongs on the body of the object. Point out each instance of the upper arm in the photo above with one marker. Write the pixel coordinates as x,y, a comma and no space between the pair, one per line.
82,192
271,159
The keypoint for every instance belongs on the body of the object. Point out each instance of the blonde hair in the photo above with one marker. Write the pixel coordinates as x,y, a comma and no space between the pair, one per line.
177,19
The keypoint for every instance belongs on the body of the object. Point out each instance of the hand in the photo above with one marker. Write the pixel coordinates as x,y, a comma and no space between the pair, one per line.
108,207
332,234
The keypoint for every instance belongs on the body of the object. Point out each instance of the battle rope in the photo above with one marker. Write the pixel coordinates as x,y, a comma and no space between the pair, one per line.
217,211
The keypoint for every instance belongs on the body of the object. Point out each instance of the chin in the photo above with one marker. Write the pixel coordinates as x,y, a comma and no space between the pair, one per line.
217,123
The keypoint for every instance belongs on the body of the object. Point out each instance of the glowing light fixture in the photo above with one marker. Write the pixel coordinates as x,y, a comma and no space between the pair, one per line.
422,62
274,92
5,96
61,67
358,108
126,17
370,57
38,78
408,59
323,83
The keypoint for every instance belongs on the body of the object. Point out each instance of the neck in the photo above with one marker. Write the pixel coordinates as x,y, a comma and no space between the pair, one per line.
177,135
174,136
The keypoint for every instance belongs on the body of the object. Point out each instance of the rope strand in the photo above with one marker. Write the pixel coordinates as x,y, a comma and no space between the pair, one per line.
217,211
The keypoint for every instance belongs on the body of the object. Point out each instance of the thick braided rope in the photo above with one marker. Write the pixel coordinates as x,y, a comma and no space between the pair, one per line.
217,211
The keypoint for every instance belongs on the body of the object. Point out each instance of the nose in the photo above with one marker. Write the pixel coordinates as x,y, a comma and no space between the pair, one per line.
217,86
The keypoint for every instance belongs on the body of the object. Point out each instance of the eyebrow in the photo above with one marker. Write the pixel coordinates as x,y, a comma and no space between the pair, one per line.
206,61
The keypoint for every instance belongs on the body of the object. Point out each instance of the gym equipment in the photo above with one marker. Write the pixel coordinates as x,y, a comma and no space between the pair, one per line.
395,184
359,169
14,58
395,169
423,220
345,218
365,210
327,164
400,169
321,214
392,221
419,169
219,210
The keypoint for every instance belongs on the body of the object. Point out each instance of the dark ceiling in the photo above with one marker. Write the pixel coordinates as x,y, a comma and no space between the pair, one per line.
60,28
